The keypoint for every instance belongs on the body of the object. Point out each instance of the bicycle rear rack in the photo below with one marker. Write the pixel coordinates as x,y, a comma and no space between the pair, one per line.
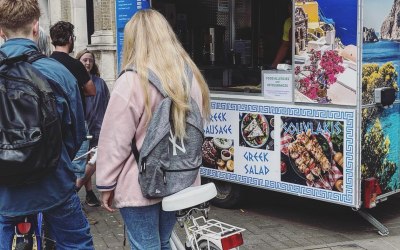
213,228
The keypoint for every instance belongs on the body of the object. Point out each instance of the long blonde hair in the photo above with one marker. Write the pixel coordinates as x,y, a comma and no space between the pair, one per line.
150,43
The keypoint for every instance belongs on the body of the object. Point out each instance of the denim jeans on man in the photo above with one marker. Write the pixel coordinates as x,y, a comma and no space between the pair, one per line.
148,227
79,166
55,191
68,226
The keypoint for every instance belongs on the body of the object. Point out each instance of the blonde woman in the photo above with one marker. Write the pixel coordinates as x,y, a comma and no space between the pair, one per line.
150,43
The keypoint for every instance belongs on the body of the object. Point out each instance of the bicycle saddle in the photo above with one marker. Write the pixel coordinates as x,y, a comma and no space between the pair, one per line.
189,197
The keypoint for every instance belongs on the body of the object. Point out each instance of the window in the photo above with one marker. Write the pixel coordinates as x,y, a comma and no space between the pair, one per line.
231,41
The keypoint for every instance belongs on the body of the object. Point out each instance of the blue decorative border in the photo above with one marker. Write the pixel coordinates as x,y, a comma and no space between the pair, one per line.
347,116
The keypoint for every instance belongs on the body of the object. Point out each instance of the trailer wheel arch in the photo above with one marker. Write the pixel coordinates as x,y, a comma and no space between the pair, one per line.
229,194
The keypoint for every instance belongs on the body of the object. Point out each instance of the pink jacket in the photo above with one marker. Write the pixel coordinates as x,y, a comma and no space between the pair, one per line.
116,166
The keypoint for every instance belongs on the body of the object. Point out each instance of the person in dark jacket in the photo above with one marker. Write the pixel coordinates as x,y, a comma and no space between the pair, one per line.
63,38
54,195
95,109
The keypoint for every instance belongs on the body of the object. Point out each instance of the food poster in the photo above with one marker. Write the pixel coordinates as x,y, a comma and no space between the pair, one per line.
380,145
326,51
240,143
256,145
312,152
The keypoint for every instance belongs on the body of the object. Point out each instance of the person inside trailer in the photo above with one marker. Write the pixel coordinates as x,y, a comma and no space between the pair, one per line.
284,52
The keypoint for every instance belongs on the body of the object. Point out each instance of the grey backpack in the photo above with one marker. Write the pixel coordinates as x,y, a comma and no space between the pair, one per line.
166,164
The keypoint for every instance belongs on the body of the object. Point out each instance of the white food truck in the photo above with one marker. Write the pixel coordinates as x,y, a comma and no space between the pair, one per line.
304,95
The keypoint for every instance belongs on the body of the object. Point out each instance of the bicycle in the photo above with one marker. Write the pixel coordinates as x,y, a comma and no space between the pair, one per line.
35,237
201,233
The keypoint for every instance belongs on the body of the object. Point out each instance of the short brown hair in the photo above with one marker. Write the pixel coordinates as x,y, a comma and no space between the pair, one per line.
61,32
16,15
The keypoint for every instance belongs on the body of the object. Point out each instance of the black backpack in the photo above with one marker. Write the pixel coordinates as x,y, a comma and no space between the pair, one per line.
30,129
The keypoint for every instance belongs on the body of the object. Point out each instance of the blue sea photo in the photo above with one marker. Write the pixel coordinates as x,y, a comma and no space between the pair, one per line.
382,52
344,15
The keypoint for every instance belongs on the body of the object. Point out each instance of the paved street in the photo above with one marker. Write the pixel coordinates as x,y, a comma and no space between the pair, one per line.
280,221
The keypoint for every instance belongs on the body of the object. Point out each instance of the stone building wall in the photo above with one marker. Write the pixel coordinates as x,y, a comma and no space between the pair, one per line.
103,39
66,10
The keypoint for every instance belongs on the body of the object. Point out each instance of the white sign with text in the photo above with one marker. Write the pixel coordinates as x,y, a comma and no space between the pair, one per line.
277,86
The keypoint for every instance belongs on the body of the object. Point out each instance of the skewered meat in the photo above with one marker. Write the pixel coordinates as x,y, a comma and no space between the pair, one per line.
314,148
310,177
315,169
300,156
308,157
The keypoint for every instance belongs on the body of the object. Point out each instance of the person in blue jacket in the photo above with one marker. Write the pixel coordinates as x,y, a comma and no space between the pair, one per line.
54,195
95,109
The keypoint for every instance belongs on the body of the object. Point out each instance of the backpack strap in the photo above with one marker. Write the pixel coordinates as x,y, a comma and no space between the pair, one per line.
29,57
153,79
156,82
2,56
135,150
34,56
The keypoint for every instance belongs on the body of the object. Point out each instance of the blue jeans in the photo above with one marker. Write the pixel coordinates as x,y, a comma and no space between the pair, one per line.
149,227
67,223
79,166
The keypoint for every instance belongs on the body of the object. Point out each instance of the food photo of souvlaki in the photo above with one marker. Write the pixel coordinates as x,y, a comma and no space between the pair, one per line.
303,160
312,160
312,145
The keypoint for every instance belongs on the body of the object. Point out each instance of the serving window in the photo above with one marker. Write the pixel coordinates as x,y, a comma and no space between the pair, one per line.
231,41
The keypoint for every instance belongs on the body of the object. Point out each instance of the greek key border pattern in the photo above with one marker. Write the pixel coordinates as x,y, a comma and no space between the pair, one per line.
348,117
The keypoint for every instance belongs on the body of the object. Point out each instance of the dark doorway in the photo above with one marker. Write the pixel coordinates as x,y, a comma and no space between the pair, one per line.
90,20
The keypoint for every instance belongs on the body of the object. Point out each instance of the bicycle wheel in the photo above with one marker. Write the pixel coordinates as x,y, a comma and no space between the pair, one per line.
228,194
203,245
22,246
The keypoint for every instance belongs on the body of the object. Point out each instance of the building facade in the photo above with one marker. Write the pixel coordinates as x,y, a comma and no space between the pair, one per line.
94,22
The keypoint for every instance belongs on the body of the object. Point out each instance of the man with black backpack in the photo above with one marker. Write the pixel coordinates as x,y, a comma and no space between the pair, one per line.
41,129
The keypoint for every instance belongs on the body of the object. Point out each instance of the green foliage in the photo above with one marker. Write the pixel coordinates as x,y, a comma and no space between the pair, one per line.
374,77
368,69
375,148
337,139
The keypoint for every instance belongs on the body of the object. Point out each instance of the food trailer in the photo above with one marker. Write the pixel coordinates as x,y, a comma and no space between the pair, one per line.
323,122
